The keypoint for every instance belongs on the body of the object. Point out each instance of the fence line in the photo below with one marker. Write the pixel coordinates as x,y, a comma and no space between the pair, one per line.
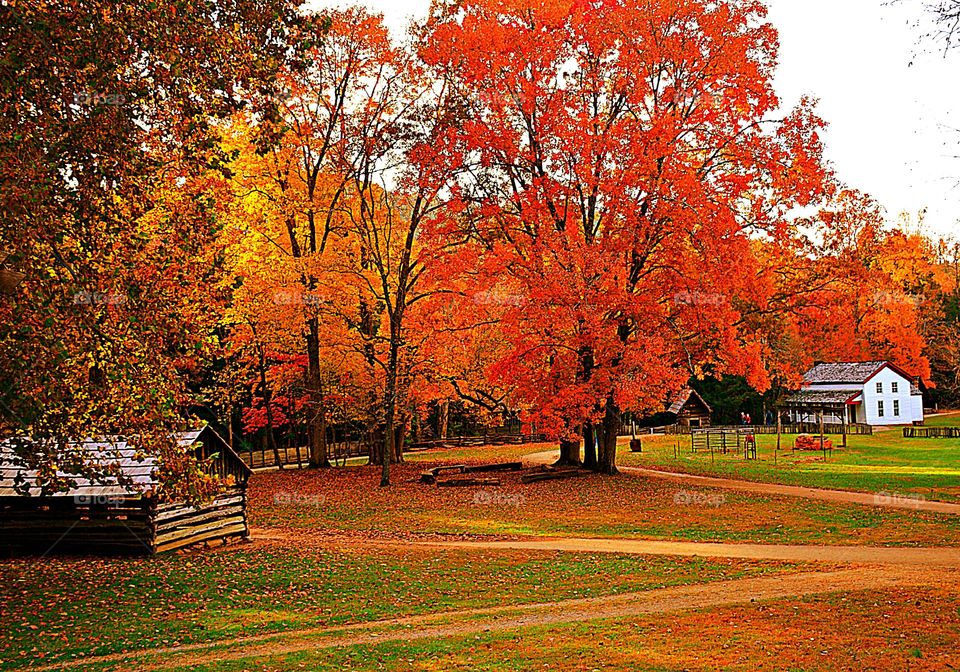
792,428
261,458
484,440
931,432
340,451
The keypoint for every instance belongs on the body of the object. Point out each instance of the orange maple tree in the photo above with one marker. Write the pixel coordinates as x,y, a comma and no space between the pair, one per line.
621,160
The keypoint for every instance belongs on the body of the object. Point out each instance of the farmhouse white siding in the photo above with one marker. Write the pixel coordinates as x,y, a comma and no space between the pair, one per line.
898,407
874,393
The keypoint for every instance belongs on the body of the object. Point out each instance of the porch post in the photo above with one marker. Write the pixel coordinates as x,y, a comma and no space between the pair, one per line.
822,446
779,429
843,425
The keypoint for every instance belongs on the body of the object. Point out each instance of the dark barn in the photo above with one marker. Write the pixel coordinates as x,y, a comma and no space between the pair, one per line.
110,518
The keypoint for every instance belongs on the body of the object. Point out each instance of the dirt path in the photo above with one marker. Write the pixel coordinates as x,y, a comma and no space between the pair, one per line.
907,557
836,496
498,619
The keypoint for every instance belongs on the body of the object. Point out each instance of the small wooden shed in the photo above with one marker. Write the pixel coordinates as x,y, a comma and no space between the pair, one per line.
690,408
110,518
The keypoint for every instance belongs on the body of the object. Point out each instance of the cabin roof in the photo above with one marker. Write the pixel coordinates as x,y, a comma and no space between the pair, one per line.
683,398
116,455
840,373
812,397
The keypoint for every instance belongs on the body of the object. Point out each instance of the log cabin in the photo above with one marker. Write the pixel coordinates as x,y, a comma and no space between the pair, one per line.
106,517
690,409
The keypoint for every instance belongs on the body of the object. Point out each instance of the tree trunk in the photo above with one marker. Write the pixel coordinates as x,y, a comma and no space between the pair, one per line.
376,443
608,443
444,419
390,428
569,453
398,437
589,446
387,452
316,433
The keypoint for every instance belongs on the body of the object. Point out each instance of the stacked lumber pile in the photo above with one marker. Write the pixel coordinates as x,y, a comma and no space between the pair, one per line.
807,442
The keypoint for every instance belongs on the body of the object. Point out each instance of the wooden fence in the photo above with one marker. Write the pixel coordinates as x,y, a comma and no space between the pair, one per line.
793,428
931,432
722,439
483,440
299,456
264,458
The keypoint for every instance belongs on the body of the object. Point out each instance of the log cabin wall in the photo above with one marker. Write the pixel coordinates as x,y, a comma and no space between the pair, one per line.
82,526
177,525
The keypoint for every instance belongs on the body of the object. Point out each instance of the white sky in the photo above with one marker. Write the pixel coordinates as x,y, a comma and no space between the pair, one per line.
894,128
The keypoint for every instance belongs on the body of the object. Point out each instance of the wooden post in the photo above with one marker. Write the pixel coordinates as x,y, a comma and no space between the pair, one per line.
779,429
843,425
823,447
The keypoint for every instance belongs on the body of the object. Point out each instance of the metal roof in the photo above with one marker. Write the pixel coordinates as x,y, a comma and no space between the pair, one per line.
812,397
111,454
683,398
843,372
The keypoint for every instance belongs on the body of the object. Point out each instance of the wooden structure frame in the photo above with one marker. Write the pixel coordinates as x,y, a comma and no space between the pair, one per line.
820,403
110,518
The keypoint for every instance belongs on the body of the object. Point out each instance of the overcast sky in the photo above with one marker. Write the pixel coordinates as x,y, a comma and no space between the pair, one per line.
894,127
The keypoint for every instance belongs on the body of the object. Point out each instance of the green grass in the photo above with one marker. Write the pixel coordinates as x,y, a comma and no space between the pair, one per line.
946,419
884,462
56,609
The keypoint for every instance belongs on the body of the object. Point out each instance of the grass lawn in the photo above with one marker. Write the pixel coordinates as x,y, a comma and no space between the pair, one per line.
315,566
884,462
944,419
629,506
876,630
55,609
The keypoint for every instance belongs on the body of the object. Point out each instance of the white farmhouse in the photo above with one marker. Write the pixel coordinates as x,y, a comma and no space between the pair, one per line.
872,393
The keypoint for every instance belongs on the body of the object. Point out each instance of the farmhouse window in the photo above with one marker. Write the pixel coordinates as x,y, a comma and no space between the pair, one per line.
880,409
896,408
879,388
894,387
